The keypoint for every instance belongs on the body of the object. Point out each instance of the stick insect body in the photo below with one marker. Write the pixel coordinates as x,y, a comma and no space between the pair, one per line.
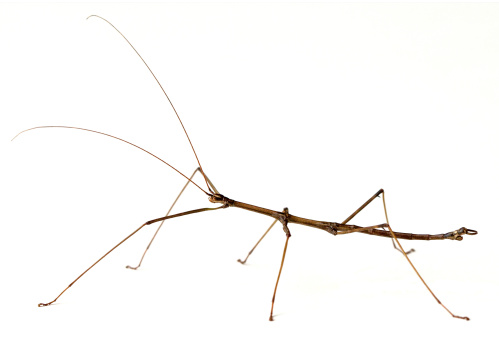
284,216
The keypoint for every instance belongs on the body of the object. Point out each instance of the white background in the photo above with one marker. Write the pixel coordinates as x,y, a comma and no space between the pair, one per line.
310,106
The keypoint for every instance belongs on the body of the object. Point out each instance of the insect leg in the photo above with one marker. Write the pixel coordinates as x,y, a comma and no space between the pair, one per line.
161,224
381,191
263,236
284,221
417,273
122,241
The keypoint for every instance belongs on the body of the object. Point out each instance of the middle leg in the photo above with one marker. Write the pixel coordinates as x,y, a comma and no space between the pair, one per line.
284,221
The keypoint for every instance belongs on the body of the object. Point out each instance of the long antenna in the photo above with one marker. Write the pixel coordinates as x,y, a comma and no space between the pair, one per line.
117,138
166,95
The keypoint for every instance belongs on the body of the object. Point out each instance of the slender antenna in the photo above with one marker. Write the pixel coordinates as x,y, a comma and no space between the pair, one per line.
117,138
166,95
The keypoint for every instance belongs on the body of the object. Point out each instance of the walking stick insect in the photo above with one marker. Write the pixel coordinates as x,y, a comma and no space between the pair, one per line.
284,216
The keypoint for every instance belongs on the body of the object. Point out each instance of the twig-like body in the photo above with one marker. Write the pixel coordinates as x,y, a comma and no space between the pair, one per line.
341,228
284,217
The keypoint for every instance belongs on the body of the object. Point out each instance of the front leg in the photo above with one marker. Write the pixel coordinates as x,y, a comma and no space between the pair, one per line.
122,241
168,213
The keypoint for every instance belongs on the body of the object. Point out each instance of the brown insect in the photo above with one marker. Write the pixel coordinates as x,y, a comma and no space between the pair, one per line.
284,216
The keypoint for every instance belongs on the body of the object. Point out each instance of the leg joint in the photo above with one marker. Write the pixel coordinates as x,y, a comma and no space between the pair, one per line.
283,218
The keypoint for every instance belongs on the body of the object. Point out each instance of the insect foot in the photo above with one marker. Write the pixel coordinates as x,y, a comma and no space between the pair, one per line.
44,304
